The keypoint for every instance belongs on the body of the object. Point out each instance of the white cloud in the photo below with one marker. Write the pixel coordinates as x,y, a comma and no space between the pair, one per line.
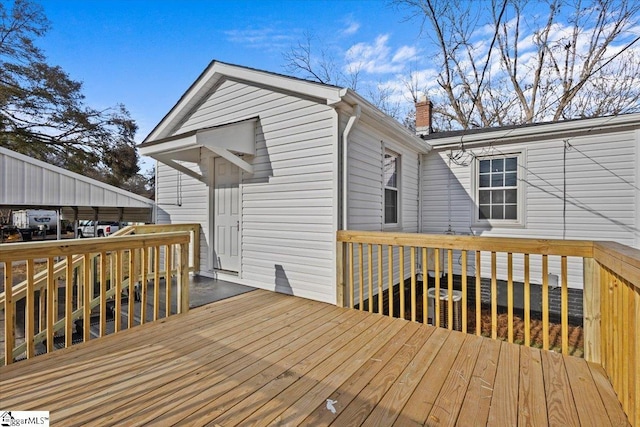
405,53
377,57
261,38
351,29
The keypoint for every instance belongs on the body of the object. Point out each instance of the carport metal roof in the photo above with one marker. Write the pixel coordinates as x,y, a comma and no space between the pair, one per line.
27,183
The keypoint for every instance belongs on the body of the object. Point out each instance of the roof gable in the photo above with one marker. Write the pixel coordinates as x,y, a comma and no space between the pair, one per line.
217,72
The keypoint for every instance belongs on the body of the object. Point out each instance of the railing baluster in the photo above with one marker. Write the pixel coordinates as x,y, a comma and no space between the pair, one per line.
118,294
42,309
103,294
564,310
156,282
360,277
545,302
390,286
436,299
168,260
79,280
413,283
9,314
510,296
68,303
29,311
527,303
494,297
380,272
450,289
131,292
51,308
478,294
425,286
464,291
401,278
143,285
87,284
352,289
370,278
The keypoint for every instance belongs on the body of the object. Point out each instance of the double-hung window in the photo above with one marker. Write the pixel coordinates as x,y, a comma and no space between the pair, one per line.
391,169
498,190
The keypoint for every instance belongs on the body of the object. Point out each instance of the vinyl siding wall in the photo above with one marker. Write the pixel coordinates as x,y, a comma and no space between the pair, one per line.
287,219
600,175
366,201
182,199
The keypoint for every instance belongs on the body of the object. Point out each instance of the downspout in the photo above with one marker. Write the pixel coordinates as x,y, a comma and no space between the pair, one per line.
420,163
345,157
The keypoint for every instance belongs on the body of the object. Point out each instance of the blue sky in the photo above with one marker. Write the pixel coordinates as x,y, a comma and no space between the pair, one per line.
145,53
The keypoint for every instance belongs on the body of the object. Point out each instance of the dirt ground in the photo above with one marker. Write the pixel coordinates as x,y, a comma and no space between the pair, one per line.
575,333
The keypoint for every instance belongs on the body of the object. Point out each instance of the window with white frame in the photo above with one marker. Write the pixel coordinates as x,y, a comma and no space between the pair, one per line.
498,190
391,188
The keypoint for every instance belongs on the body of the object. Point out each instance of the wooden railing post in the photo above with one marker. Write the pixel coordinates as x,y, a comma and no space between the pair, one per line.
9,314
591,309
183,278
340,274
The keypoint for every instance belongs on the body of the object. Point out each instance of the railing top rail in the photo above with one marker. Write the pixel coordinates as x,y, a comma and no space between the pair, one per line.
163,228
621,259
578,248
22,251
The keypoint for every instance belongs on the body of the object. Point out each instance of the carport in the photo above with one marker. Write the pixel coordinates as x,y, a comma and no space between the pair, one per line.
27,183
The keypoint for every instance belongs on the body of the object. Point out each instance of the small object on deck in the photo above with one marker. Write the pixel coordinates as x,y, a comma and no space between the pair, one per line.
330,406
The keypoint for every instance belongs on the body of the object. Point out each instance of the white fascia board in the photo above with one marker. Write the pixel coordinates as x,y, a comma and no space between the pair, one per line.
178,144
291,84
543,130
386,124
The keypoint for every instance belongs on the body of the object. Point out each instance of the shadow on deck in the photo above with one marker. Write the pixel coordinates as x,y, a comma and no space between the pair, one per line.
270,359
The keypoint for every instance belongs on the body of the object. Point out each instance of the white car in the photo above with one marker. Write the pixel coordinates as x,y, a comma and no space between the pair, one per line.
105,228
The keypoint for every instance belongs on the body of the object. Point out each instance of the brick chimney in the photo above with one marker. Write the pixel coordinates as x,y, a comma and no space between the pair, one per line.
424,109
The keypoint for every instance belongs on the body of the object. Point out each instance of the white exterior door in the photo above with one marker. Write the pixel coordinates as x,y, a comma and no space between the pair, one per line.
226,217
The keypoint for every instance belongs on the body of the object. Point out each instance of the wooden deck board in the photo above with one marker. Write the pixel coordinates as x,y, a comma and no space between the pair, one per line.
267,359
504,400
475,411
421,402
532,408
228,349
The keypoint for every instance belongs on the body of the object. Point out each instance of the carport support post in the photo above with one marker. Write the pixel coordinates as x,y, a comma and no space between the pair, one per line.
95,222
59,223
75,221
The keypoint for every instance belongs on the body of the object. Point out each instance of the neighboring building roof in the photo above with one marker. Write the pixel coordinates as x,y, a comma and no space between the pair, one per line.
29,183
336,96
505,134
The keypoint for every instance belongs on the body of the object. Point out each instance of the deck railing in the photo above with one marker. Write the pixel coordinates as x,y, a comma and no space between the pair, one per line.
71,283
391,273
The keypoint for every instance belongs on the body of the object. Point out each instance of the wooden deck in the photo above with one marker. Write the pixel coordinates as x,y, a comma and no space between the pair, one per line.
263,358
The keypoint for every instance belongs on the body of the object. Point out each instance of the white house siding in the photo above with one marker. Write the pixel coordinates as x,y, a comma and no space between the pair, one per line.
182,199
287,231
601,194
365,194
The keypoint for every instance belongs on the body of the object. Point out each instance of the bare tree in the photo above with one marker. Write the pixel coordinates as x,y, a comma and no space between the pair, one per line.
517,61
322,67
300,60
